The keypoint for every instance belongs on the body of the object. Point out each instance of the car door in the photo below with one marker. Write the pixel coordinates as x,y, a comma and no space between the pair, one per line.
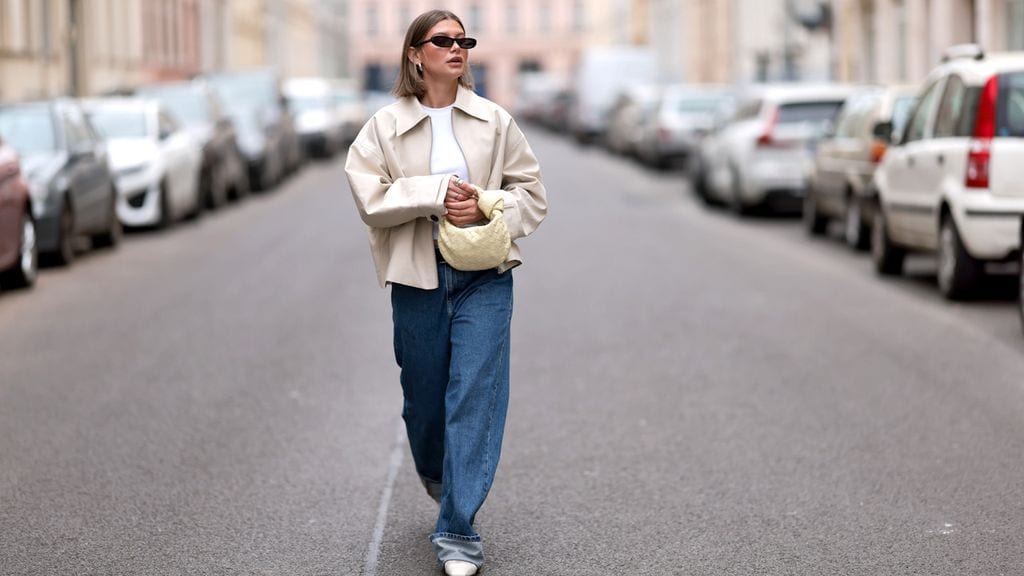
175,145
87,177
907,172
947,155
837,153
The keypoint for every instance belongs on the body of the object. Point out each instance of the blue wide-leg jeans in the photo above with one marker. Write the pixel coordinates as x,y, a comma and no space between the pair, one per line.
452,345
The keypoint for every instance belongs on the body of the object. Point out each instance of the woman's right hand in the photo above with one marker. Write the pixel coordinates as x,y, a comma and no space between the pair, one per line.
460,202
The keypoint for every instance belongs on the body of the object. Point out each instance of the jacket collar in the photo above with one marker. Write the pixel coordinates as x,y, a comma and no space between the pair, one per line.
409,113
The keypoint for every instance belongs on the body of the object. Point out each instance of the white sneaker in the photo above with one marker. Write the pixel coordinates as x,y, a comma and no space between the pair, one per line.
459,568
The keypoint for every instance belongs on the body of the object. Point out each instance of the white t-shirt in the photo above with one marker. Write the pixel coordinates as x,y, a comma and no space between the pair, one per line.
445,155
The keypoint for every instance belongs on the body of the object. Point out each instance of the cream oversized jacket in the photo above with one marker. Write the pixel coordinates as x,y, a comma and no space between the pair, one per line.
388,169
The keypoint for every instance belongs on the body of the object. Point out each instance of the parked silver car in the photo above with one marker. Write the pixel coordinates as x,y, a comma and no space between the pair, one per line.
627,116
841,185
762,155
673,127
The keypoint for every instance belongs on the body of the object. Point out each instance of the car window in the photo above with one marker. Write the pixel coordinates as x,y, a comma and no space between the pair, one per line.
748,110
115,122
187,104
810,112
950,109
857,113
969,111
846,118
28,130
1010,113
77,133
923,113
901,109
167,124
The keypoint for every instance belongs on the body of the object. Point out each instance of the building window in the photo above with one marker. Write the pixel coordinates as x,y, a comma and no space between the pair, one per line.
526,66
404,17
901,39
372,26
476,21
579,19
544,16
512,18
15,23
1015,25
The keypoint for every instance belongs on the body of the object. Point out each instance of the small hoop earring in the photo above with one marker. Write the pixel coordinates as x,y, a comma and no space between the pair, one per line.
419,69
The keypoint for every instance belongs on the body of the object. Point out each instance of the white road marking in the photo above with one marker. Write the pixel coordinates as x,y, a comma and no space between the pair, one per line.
397,455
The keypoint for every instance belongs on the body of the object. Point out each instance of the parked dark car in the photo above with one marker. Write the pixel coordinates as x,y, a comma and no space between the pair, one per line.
840,186
195,104
65,164
266,128
18,253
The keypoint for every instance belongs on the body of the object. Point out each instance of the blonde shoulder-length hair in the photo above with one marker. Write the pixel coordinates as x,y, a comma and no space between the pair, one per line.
410,81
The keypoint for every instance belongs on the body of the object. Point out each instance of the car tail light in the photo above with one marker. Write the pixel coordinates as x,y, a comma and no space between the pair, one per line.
979,152
878,149
766,137
664,136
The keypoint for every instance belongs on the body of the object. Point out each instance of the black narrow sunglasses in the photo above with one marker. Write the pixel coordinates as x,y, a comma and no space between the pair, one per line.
447,41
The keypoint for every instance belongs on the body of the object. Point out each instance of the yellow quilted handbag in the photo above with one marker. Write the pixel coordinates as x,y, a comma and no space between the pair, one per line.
477,247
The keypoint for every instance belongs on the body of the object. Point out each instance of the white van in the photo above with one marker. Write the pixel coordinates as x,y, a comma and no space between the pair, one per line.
601,75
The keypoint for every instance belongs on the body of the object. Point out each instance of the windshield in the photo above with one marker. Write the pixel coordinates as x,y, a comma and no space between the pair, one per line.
248,90
706,105
119,123
344,98
187,105
28,130
308,104
811,112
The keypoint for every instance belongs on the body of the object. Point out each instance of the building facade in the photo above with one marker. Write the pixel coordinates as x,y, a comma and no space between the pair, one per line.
899,41
515,36
92,47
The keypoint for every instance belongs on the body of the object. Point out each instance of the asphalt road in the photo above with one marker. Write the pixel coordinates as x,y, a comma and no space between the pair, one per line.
692,394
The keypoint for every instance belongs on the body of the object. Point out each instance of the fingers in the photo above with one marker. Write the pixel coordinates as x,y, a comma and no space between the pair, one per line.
459,190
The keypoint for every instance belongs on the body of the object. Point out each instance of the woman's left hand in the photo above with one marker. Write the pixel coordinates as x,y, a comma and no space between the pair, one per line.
460,202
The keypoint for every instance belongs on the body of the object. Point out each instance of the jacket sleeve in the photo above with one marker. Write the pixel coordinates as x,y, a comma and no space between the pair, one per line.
525,198
383,201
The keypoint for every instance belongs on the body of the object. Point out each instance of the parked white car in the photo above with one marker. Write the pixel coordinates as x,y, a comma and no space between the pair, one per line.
155,160
349,109
311,101
763,154
953,183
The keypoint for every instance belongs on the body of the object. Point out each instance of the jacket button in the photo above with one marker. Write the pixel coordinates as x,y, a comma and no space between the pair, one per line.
433,217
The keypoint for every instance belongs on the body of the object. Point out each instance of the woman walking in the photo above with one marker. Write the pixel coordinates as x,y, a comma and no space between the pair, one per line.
417,162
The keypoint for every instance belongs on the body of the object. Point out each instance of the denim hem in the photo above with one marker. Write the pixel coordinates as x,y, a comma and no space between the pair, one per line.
455,537
458,547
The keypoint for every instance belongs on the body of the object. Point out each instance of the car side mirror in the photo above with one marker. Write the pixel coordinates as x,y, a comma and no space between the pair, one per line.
882,131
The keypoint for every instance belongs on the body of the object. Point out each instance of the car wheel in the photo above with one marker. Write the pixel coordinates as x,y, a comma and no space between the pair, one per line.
855,230
218,193
23,273
736,202
241,187
166,219
959,272
65,253
699,182
114,232
814,222
1020,280
887,257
